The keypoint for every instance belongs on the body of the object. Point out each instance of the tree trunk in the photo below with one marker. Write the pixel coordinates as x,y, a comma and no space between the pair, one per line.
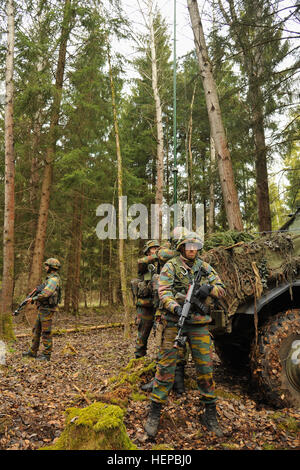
67,289
101,275
120,194
110,266
77,246
211,215
34,173
189,157
159,125
6,330
262,185
40,238
229,191
167,191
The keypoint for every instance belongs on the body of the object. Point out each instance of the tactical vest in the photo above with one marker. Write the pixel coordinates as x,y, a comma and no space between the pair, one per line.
144,287
183,276
182,280
54,299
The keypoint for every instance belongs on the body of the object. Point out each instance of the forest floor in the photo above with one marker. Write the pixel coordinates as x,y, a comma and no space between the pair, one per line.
35,395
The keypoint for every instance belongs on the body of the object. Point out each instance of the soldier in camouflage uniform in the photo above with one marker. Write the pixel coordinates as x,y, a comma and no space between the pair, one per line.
47,301
145,310
164,254
175,278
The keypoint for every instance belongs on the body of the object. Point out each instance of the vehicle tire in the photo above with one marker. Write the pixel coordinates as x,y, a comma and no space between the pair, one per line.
275,360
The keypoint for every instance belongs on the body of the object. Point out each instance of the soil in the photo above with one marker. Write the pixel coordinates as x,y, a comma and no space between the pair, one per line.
36,394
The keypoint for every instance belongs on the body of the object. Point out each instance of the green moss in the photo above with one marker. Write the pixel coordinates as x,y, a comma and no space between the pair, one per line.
132,373
286,423
269,447
229,445
163,447
61,331
135,396
98,427
6,327
277,415
227,395
290,425
118,401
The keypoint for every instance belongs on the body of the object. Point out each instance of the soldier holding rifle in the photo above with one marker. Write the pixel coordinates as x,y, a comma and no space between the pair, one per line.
176,279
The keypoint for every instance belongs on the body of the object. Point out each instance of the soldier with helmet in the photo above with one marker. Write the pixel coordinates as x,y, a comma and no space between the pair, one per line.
147,267
174,281
167,251
47,301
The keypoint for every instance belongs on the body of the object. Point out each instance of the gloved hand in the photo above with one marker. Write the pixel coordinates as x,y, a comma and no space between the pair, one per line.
178,310
203,291
199,306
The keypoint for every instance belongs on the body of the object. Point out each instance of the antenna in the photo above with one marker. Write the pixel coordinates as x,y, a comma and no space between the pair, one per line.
174,111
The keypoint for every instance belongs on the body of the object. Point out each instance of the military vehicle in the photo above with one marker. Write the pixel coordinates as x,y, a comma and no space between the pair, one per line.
258,323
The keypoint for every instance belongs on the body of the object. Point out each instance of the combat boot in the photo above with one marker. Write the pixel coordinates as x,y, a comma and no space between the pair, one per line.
148,386
178,385
28,354
151,426
209,419
43,357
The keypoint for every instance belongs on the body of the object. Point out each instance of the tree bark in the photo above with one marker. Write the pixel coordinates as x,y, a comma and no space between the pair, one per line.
120,194
77,254
6,331
40,237
211,215
101,275
261,170
67,290
229,190
189,158
158,119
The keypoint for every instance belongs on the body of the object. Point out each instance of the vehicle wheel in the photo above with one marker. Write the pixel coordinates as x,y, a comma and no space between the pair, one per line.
275,360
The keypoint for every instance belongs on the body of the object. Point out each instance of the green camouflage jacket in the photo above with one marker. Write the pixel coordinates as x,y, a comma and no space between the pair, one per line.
51,289
175,278
143,265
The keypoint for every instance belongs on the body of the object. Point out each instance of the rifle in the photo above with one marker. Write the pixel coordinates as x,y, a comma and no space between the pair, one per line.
35,291
188,303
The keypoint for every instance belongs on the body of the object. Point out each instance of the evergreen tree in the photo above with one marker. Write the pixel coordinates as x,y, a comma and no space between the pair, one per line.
256,35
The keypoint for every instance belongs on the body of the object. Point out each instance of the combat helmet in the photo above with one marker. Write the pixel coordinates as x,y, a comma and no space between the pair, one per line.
178,233
190,237
53,263
150,244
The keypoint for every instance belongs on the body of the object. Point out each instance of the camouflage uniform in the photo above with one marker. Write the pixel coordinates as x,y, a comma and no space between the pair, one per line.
145,309
165,254
47,301
175,278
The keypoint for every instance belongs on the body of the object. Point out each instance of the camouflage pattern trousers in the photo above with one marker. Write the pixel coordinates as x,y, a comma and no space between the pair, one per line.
200,344
145,321
42,329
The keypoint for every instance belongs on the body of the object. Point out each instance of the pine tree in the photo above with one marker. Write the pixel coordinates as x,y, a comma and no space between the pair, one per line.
256,34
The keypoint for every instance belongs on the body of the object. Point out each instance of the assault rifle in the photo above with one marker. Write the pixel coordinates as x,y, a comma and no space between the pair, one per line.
34,292
189,301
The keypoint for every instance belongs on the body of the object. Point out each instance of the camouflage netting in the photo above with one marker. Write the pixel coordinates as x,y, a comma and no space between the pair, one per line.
250,267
